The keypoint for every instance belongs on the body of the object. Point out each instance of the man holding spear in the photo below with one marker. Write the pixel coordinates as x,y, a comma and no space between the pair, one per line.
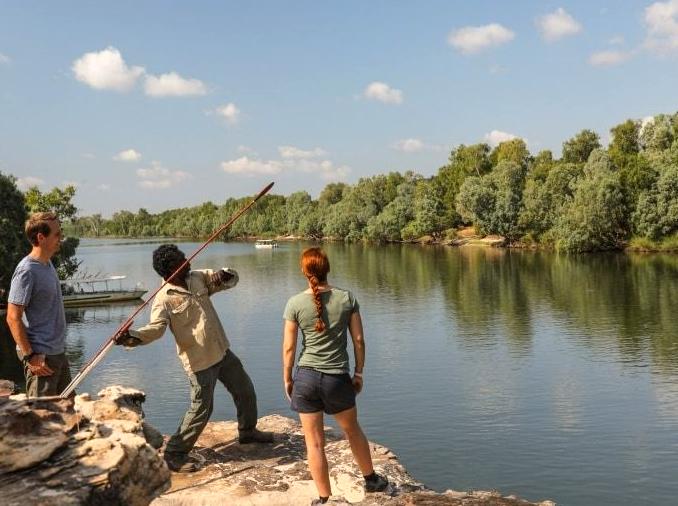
184,304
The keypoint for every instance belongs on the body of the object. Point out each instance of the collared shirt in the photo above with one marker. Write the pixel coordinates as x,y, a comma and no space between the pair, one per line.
200,338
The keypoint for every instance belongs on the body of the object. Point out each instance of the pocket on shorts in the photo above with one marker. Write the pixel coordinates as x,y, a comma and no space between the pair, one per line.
305,383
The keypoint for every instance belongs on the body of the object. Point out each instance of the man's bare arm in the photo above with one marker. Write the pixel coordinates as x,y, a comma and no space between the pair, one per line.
17,328
16,325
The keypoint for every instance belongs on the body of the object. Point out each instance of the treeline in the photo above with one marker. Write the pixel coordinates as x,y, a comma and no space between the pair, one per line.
592,198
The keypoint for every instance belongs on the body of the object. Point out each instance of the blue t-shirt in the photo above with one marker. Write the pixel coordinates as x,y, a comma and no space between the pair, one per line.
35,286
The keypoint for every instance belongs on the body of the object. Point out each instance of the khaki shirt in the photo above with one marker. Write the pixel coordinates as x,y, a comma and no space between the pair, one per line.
200,338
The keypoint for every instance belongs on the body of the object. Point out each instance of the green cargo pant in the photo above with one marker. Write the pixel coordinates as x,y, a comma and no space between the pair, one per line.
43,386
232,374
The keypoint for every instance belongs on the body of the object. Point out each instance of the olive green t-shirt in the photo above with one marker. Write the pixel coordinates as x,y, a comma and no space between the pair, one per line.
325,351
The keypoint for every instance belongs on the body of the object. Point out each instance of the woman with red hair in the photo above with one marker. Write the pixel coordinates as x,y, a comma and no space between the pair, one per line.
322,382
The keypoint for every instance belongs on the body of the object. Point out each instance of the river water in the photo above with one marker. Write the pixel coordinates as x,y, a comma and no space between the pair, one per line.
544,375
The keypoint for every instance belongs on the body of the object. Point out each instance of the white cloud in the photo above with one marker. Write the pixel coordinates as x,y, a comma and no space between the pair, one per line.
229,112
617,40
24,183
104,187
661,19
4,59
88,156
159,177
474,39
173,85
250,167
292,159
106,70
409,145
383,93
128,155
297,153
496,137
557,25
608,58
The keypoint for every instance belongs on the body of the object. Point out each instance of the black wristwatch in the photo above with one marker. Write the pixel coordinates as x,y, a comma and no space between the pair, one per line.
26,358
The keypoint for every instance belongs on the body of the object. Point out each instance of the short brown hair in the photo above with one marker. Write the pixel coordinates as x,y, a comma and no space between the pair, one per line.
38,223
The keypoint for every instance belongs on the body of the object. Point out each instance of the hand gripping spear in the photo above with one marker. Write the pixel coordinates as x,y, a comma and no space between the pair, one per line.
99,355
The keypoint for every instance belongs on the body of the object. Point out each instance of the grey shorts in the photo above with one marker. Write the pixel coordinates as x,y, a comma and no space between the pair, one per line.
315,391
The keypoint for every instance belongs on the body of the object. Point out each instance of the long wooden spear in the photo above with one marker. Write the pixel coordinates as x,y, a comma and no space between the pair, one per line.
99,355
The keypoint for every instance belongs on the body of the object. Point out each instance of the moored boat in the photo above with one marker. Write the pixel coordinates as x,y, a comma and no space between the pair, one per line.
85,292
265,244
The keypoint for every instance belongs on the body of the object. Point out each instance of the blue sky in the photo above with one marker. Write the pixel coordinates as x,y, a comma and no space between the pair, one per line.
168,104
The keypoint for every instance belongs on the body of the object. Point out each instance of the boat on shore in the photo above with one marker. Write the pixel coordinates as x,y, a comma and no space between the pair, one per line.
87,292
265,244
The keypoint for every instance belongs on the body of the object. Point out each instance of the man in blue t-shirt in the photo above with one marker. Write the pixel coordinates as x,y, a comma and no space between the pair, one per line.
36,293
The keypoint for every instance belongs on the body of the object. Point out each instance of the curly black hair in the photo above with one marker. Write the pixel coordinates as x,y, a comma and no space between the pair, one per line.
166,259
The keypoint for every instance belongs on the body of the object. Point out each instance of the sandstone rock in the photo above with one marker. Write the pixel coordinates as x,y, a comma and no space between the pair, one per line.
6,388
278,474
55,451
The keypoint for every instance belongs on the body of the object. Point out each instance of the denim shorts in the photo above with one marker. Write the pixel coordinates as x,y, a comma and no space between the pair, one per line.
315,391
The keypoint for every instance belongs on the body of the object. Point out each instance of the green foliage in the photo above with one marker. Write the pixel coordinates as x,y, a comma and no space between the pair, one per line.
579,147
543,201
428,212
387,225
493,202
514,151
58,201
13,243
541,165
659,133
595,217
656,214
464,161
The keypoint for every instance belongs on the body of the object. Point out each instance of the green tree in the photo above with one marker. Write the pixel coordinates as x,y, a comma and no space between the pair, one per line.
656,214
13,243
541,165
595,218
543,201
578,148
297,206
658,133
464,161
428,211
387,225
514,150
493,203
332,193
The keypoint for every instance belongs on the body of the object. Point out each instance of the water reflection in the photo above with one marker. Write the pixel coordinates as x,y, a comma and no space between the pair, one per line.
552,376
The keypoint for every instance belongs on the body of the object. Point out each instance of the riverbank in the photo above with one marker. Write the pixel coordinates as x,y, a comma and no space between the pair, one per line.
466,236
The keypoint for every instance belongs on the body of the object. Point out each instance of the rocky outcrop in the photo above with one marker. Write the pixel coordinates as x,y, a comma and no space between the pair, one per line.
86,451
81,451
278,474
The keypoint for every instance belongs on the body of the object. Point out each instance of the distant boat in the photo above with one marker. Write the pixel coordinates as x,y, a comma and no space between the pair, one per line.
86,292
265,244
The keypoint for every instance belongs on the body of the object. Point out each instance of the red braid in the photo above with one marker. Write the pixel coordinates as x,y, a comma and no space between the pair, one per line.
315,266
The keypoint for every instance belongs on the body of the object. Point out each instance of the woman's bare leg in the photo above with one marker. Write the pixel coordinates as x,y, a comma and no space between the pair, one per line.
348,421
314,434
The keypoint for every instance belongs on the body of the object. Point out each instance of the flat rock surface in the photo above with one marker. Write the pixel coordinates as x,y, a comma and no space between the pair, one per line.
277,474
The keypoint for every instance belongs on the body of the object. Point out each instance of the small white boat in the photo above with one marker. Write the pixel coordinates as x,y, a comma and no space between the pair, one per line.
265,244
86,292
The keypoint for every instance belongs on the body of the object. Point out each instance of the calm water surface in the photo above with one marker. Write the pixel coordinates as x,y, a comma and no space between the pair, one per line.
543,375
